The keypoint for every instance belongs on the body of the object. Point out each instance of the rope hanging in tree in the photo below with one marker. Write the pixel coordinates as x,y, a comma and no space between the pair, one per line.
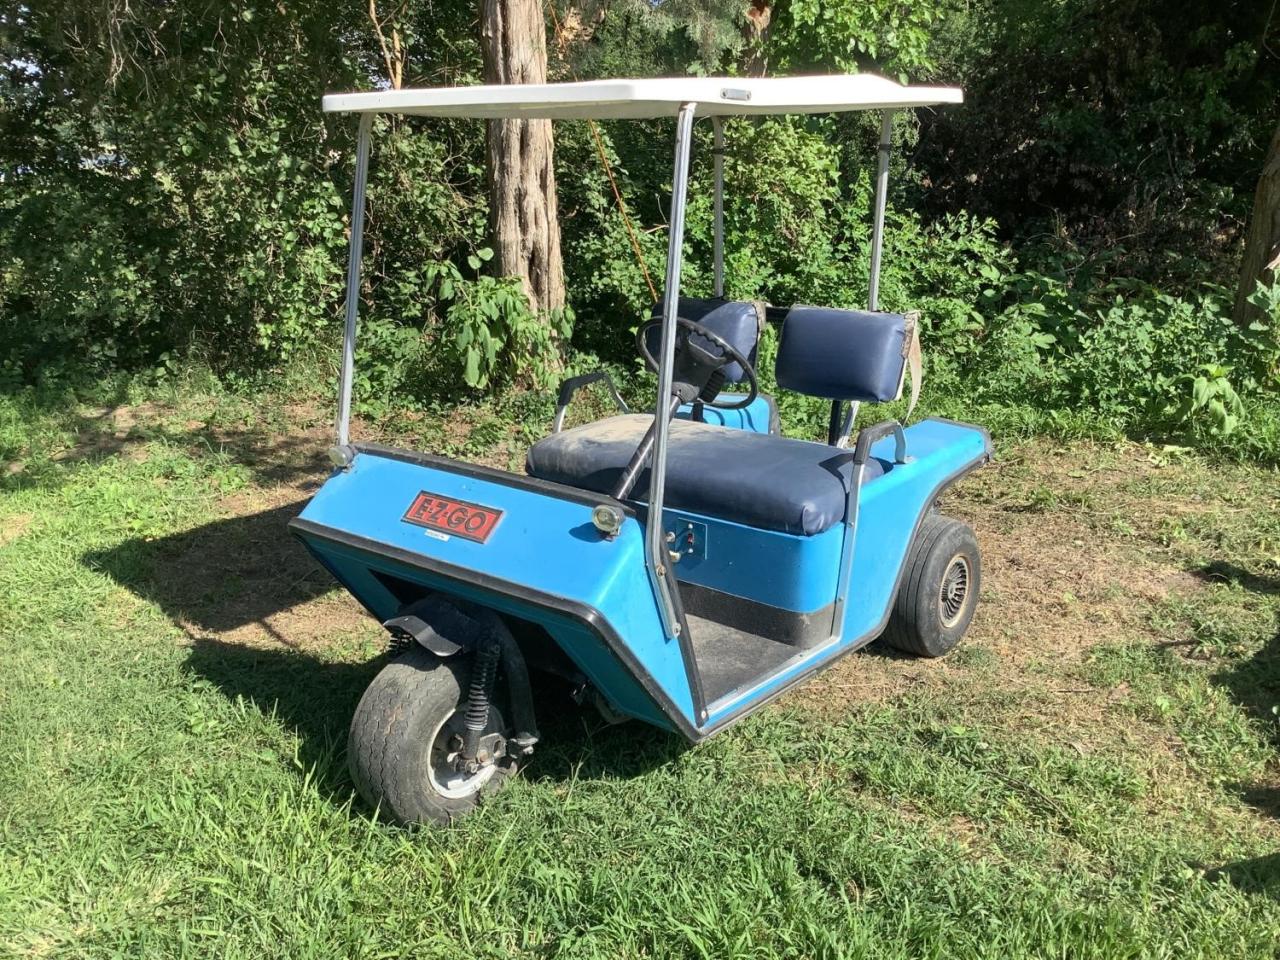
608,170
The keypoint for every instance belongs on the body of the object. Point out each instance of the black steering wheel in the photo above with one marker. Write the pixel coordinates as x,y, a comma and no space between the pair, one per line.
729,354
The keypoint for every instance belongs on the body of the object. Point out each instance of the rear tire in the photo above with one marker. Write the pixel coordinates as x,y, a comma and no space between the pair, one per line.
398,749
939,590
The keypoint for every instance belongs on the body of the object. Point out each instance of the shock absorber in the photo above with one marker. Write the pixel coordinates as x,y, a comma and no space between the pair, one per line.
480,691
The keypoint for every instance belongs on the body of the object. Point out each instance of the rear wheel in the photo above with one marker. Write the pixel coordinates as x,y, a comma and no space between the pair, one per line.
939,589
404,746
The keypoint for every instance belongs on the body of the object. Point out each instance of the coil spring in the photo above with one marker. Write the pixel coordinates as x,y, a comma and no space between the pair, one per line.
483,674
399,643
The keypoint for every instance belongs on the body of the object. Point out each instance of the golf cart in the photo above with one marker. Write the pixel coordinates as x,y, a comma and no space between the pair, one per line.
680,567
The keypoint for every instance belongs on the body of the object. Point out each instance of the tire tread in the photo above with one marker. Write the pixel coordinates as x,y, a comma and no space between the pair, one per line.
905,630
384,752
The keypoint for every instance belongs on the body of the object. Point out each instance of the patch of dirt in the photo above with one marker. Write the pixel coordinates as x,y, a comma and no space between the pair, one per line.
1056,584
13,527
246,580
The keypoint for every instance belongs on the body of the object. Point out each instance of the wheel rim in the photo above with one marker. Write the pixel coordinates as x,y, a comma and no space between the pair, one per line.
446,780
954,595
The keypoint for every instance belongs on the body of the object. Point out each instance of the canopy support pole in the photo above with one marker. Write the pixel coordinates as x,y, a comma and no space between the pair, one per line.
655,544
882,192
657,556
354,255
717,246
838,436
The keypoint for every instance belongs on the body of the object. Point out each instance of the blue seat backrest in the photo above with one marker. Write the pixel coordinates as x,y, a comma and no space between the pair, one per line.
842,354
738,321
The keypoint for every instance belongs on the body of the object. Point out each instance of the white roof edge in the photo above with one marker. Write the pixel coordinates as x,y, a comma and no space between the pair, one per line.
656,97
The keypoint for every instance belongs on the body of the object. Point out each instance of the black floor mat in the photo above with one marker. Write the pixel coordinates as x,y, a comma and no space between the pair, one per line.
729,659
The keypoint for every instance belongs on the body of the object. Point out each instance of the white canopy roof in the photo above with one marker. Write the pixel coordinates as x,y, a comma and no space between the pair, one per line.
637,99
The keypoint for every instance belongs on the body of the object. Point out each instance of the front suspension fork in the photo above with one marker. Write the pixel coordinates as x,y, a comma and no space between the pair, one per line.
484,672
497,645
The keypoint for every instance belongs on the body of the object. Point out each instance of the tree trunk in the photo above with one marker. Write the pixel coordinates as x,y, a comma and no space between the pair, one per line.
755,30
1262,245
523,224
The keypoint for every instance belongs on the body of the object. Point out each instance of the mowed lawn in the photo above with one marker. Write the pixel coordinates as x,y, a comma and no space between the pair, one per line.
1094,773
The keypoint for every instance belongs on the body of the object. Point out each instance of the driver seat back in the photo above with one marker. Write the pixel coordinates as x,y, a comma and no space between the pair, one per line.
741,322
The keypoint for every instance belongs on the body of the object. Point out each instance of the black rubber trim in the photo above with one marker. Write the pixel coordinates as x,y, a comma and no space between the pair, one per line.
572,385
871,634
762,619
869,435
520,481
585,614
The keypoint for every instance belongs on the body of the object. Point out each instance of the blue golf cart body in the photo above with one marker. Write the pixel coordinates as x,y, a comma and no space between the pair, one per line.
681,566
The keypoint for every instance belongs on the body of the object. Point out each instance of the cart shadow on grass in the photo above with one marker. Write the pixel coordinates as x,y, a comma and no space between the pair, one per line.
245,592
1254,684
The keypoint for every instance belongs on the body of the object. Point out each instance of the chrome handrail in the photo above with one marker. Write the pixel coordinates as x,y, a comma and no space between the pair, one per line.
656,559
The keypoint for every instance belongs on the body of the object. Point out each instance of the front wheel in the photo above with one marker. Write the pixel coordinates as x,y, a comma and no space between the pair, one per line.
939,589
403,750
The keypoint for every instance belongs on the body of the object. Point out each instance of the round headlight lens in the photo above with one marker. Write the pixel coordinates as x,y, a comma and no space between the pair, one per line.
607,519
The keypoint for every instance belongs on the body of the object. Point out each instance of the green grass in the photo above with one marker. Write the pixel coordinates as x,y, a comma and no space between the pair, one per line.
166,790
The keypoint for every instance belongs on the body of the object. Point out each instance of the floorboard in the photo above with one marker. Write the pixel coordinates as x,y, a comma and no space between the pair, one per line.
729,658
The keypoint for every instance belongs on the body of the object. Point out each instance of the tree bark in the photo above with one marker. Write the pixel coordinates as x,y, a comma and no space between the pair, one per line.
523,223
755,30
1262,245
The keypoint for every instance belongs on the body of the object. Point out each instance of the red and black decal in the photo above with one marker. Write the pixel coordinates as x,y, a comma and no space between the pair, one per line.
471,521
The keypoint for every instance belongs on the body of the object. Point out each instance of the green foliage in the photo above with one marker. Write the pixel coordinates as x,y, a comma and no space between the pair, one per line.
172,191
495,336
1136,128
849,36
209,214
1136,355
639,38
1260,339
1213,397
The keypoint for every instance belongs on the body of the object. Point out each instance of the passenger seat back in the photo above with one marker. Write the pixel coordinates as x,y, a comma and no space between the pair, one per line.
844,354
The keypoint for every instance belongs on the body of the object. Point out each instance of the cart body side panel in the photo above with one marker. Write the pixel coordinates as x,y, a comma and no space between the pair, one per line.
891,510
543,562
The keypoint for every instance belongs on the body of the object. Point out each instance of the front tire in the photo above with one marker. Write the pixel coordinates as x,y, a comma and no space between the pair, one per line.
939,590
400,750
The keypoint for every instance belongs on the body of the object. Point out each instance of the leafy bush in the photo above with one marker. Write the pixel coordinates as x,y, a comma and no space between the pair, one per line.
173,191
1137,356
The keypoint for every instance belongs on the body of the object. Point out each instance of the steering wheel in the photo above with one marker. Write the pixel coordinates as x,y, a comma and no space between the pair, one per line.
730,354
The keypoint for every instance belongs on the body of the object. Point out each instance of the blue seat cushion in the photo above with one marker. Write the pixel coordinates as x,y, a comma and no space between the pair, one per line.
842,354
758,479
